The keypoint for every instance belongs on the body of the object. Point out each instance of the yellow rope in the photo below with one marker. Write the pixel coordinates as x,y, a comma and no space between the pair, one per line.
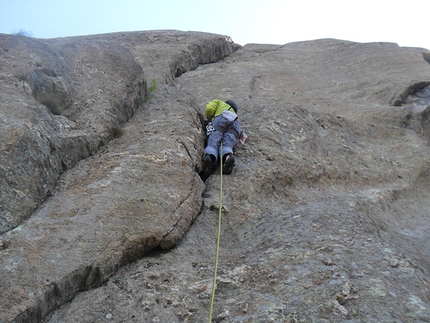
218,239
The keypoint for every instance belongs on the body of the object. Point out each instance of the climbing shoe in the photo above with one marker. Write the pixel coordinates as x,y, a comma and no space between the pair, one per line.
207,164
228,164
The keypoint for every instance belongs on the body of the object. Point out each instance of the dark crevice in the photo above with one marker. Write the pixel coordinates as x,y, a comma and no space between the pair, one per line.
157,251
415,89
417,115
203,175
426,57
166,244
55,93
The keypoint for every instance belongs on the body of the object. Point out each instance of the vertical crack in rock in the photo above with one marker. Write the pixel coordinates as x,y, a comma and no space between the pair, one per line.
185,215
104,86
184,211
185,147
298,209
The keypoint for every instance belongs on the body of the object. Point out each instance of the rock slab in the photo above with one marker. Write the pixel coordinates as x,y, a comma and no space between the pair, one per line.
62,173
325,216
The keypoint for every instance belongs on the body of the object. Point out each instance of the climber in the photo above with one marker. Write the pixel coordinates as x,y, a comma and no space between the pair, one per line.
222,127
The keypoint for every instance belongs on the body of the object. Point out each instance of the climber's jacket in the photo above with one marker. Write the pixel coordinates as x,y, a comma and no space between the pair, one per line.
223,118
215,108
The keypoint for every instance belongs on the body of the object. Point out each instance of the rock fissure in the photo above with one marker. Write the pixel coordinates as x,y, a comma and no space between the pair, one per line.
417,105
410,91
107,113
426,57
185,215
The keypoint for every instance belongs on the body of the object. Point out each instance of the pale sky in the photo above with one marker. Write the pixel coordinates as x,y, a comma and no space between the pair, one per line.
246,21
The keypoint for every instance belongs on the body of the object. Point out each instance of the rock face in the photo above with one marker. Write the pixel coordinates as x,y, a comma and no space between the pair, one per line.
105,218
63,99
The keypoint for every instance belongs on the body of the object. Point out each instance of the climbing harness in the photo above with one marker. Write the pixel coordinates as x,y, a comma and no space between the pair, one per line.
218,240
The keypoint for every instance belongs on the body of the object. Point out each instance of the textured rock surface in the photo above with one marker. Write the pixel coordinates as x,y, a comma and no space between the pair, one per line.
57,108
326,214
111,208
92,85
